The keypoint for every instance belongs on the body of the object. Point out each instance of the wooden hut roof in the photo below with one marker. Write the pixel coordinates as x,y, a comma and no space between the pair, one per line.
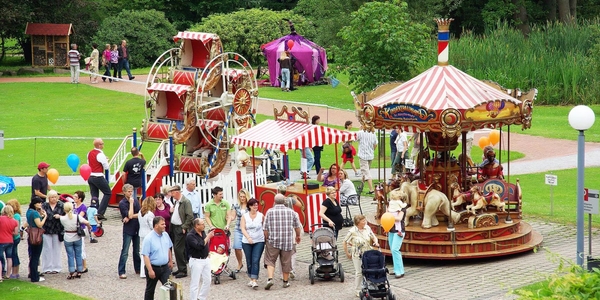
48,29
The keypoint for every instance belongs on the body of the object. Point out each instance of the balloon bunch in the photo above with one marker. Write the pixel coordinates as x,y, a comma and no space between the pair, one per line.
492,139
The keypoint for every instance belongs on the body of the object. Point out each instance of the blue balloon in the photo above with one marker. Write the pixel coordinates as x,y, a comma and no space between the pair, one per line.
73,161
7,185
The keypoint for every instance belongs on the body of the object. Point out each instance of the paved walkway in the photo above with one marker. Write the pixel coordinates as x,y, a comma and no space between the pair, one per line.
469,279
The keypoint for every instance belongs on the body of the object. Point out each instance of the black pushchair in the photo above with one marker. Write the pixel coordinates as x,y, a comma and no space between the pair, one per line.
374,277
325,255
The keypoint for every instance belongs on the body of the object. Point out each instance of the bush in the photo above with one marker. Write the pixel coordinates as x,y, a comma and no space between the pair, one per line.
147,32
244,31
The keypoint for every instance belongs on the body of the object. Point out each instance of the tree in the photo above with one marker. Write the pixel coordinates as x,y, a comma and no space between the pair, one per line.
381,49
148,34
245,31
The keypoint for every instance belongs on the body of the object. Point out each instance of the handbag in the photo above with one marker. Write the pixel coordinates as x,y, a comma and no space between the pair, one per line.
80,231
35,235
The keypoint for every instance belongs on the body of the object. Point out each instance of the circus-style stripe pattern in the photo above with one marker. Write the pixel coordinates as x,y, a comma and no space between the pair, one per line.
199,36
178,89
286,135
442,87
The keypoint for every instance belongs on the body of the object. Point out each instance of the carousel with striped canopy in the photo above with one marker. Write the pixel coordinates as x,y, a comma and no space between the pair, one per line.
199,96
440,106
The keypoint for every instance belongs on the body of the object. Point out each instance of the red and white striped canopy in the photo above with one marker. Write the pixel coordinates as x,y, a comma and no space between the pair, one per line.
208,125
442,87
286,135
199,36
178,89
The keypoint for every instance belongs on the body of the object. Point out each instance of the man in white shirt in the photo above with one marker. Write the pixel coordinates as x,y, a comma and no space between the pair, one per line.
367,143
97,181
194,197
402,154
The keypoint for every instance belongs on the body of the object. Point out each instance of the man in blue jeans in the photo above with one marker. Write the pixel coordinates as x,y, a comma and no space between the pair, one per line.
129,208
124,60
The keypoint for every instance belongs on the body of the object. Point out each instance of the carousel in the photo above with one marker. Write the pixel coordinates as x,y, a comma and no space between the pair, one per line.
457,210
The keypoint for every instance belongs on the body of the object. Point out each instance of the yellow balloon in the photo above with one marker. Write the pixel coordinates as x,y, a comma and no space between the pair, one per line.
387,221
494,137
53,175
483,141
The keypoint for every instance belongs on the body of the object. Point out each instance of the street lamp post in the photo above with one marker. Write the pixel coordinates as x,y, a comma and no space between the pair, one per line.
581,118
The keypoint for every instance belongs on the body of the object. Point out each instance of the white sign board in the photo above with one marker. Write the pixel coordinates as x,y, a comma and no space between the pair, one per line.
590,201
551,179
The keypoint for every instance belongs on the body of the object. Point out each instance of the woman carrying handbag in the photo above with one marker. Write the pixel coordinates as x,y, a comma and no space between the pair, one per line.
36,217
73,240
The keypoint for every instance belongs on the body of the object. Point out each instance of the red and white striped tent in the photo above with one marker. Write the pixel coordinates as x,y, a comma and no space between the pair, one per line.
196,36
443,96
178,89
286,135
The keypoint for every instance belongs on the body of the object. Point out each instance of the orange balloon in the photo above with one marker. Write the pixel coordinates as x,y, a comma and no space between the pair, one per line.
494,137
53,175
387,221
483,141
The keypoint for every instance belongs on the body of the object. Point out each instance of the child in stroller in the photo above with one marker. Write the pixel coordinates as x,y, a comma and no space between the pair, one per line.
325,255
374,277
218,255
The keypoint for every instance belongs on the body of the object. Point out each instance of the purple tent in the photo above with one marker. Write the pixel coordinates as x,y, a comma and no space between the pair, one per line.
311,59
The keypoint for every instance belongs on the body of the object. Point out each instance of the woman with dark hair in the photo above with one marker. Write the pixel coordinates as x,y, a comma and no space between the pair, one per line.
163,209
81,209
329,178
36,217
317,149
253,241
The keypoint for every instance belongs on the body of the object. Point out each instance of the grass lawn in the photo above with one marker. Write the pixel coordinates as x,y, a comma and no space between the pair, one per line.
23,290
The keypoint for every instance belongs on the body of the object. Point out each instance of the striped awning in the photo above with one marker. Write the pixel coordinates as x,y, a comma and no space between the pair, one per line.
178,89
442,87
199,36
286,135
209,125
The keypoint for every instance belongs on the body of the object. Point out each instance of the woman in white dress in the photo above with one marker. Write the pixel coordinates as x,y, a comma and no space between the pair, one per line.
146,218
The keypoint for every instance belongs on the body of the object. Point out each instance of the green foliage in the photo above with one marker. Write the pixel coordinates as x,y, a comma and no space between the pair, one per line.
383,48
559,60
244,31
148,34
568,282
24,290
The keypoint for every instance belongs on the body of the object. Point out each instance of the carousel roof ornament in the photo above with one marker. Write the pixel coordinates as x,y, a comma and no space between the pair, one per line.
445,99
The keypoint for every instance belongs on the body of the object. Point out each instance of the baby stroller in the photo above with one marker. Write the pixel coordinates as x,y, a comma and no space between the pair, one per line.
325,255
218,255
374,277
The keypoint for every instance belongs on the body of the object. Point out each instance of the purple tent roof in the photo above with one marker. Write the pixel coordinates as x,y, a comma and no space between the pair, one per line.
311,58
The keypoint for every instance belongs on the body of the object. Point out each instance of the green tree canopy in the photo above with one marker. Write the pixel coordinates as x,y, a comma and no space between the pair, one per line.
244,31
381,49
148,34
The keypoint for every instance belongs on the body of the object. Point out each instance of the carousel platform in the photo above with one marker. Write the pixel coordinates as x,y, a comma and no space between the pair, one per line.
464,242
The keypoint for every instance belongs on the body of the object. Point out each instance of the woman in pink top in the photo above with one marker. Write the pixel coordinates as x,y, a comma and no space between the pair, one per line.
8,228
106,62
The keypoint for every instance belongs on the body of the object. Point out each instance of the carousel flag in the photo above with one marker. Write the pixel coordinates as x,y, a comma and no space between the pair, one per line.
7,185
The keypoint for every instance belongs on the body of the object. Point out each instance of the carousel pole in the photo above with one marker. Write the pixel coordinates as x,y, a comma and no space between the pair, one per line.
508,218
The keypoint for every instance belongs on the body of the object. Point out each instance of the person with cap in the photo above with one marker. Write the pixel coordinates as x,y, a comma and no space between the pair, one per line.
181,224
397,207
39,182
98,162
196,246
156,251
279,226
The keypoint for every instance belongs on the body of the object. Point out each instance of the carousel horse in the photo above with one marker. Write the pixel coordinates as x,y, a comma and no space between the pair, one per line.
380,199
482,201
458,197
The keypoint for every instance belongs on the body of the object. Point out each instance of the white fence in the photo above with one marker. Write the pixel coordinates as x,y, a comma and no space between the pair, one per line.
228,182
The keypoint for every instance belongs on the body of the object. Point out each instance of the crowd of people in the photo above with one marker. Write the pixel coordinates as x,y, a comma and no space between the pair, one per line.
113,57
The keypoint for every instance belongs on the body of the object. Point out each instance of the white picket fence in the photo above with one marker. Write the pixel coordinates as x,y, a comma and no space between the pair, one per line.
228,182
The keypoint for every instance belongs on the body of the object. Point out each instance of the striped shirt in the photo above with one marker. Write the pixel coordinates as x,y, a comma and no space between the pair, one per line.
366,145
74,57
